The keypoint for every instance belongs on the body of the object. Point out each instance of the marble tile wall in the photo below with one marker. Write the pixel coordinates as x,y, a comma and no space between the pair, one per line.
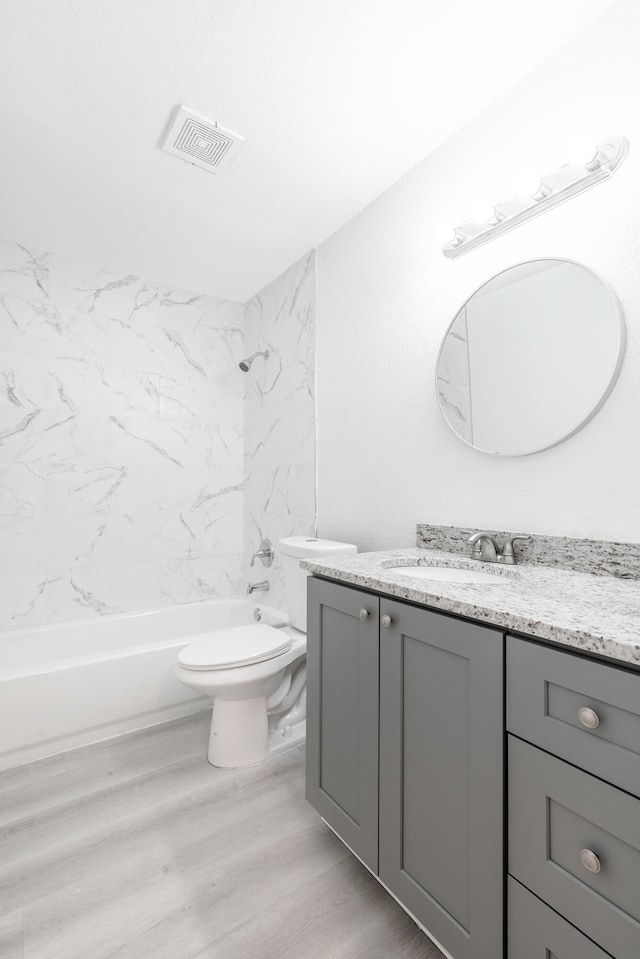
280,420
121,440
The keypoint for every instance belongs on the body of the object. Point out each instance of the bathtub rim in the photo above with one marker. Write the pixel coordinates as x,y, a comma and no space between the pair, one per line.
102,623
135,614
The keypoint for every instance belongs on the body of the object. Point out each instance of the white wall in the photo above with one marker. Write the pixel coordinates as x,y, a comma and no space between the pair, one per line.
386,295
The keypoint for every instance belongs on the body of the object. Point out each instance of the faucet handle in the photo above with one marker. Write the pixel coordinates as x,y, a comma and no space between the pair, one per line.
508,551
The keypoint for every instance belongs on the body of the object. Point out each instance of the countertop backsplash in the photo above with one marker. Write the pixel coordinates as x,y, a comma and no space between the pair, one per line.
595,556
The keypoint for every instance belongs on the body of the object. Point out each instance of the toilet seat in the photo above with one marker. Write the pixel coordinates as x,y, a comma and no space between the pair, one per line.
238,646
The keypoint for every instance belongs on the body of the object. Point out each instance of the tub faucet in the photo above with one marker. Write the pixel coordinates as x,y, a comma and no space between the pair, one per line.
263,586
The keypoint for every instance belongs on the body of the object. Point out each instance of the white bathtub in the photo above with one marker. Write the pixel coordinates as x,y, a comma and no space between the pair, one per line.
69,684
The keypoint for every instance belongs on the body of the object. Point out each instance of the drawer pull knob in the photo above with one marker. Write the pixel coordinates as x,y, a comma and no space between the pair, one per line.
386,621
364,614
589,860
588,717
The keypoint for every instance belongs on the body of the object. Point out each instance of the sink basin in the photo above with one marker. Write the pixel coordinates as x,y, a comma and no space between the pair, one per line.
450,574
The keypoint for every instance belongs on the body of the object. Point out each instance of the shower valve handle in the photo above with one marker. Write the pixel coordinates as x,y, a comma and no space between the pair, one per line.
264,554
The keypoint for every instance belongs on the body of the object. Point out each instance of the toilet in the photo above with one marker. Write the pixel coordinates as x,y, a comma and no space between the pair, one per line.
256,674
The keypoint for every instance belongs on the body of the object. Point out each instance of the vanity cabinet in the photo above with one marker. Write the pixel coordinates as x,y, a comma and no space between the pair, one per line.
406,748
405,733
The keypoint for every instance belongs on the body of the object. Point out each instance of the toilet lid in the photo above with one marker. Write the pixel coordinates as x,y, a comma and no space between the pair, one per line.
238,646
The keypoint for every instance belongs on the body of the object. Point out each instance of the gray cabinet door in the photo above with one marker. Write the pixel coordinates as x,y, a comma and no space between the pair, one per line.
441,776
537,932
342,713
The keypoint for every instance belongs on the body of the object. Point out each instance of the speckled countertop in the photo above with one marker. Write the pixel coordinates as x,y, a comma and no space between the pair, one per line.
594,614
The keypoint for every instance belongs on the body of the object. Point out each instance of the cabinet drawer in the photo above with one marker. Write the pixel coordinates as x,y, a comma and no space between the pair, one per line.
547,689
559,817
537,932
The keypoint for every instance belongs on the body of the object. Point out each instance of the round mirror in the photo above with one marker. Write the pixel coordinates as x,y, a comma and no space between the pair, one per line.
530,357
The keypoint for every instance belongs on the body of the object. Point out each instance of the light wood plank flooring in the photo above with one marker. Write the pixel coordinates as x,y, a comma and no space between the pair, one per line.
137,848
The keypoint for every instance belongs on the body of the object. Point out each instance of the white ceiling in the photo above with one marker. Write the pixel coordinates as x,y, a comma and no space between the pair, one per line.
336,101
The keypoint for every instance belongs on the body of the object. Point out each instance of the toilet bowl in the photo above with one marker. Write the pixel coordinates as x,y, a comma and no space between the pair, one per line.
256,674
244,669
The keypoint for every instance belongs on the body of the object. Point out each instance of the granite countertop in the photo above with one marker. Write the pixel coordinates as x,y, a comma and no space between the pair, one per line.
589,613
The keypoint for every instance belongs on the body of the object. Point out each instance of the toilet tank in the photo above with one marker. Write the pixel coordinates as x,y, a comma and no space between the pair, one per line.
292,550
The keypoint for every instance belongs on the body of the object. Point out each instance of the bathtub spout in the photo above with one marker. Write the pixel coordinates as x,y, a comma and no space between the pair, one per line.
263,587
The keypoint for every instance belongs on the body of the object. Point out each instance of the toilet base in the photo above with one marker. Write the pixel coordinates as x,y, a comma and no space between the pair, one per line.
240,734
282,739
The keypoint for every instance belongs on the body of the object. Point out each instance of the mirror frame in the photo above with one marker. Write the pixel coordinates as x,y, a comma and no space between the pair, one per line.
615,303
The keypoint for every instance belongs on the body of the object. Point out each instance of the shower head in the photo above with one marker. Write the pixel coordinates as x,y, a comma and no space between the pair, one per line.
245,365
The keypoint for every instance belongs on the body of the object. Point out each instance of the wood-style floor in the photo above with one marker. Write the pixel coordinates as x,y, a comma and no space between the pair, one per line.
138,848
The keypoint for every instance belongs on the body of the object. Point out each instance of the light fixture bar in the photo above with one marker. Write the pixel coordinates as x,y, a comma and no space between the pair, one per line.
554,188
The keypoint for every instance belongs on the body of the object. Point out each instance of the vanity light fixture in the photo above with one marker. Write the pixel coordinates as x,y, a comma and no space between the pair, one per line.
556,187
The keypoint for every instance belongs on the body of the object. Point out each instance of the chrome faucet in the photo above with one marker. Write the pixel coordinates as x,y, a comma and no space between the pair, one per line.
486,550
253,587
264,554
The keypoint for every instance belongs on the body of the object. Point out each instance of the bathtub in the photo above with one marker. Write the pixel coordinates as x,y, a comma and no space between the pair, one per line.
69,684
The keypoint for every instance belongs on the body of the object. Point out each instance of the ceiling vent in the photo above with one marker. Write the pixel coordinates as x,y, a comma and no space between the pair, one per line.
199,141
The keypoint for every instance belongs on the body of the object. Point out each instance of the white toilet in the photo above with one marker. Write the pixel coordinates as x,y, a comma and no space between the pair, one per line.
256,674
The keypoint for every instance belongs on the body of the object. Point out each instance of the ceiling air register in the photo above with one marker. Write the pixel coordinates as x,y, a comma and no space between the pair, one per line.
200,141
